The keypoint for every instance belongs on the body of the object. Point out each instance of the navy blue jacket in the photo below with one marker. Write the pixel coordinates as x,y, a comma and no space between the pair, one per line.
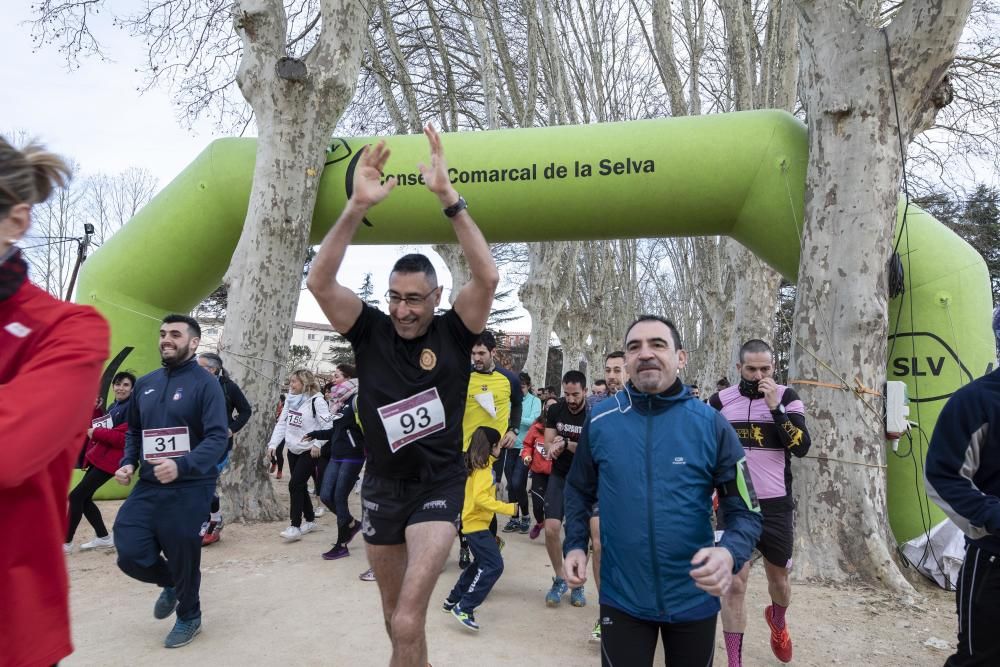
963,461
653,461
184,396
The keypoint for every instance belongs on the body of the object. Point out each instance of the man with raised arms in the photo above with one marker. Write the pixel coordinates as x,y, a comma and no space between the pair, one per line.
413,374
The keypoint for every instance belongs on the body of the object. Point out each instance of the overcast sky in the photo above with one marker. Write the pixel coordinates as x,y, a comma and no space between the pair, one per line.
96,116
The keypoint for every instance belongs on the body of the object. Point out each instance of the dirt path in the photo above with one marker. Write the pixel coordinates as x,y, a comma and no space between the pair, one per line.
268,603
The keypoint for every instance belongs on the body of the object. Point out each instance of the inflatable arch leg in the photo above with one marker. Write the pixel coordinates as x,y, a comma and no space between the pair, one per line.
740,175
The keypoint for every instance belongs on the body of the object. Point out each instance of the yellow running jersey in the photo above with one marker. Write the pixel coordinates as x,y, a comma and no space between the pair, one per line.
494,400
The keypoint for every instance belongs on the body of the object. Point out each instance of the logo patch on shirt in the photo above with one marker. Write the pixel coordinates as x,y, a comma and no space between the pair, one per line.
179,393
17,329
148,392
679,461
428,360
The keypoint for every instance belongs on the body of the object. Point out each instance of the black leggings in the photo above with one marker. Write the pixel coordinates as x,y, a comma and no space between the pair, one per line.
627,641
278,458
81,503
539,481
302,466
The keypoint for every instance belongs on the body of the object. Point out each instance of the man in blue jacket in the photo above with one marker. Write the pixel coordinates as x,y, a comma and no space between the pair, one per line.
177,434
963,478
653,455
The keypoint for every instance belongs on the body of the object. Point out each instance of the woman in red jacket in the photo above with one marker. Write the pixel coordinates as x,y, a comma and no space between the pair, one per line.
51,354
104,453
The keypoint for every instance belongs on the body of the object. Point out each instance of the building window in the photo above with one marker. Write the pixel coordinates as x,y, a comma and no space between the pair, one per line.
329,338
310,336
211,332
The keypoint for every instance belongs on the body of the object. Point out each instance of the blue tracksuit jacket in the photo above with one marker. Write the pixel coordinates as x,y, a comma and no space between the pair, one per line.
653,462
963,461
184,396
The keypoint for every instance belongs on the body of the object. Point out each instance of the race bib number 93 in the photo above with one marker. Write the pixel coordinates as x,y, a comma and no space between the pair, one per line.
412,418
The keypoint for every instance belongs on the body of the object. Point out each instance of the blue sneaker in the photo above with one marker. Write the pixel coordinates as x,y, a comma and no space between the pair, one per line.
554,596
165,604
448,606
183,633
577,598
466,618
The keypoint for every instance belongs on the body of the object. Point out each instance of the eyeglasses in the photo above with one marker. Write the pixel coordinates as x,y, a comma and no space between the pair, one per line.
413,301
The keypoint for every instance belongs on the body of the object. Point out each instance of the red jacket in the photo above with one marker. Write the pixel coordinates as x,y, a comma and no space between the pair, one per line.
51,354
107,446
532,442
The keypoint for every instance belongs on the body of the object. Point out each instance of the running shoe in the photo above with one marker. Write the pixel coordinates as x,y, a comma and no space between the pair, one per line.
206,527
577,598
274,466
292,533
336,553
166,603
448,606
595,634
278,476
183,633
500,543
464,557
352,531
466,618
367,575
318,512
781,641
211,538
68,548
536,530
308,527
523,528
554,596
106,542
513,524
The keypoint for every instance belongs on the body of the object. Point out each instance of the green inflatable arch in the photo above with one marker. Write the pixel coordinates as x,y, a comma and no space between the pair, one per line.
740,175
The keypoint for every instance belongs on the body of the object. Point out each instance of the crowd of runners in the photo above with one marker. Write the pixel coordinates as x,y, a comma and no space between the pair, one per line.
664,495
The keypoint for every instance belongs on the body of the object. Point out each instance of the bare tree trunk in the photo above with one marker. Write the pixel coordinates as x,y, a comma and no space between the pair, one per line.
541,295
851,196
295,118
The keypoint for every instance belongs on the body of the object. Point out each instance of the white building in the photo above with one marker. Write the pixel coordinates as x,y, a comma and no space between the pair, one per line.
315,336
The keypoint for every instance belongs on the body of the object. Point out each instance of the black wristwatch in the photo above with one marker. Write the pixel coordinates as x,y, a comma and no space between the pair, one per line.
780,409
460,205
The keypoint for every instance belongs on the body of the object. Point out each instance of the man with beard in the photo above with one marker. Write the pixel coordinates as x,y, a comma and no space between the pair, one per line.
413,378
770,421
494,400
177,434
654,454
563,424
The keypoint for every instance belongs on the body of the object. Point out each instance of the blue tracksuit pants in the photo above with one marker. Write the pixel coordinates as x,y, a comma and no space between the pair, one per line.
478,579
157,537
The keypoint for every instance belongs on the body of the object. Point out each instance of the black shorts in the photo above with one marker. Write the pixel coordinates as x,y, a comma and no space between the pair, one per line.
554,502
778,534
388,506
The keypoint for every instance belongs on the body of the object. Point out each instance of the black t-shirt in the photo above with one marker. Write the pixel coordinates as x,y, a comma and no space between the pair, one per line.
569,426
417,390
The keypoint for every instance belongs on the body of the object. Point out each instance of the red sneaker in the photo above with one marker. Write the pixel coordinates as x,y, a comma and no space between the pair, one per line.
278,476
210,538
781,641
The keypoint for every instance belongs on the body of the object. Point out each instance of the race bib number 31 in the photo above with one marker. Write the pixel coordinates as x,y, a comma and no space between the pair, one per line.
103,422
165,443
412,418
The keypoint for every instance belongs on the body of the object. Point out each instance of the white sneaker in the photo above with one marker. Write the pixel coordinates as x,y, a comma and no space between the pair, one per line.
68,548
99,543
291,534
307,527
318,512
